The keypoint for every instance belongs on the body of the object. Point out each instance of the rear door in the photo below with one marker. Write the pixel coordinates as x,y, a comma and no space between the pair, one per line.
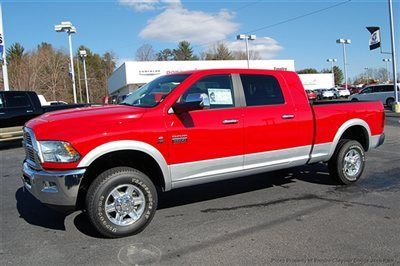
209,142
274,137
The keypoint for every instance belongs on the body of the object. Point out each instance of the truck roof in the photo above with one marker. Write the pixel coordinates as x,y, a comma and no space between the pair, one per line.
244,70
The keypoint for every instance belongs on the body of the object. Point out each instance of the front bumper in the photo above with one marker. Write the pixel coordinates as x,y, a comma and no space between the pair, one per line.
55,188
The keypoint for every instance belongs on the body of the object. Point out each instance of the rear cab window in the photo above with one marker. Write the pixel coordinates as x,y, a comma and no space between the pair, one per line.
261,90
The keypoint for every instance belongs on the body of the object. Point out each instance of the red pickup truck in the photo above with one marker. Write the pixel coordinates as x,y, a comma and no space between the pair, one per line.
186,129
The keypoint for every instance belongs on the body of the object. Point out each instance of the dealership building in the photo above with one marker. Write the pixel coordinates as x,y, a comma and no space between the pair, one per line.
133,74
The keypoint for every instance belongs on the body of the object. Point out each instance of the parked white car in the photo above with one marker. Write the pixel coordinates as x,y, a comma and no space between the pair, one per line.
342,92
326,94
381,92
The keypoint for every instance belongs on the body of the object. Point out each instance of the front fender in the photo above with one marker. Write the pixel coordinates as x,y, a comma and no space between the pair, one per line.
129,145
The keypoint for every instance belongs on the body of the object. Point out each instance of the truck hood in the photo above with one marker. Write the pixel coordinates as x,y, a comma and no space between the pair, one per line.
73,124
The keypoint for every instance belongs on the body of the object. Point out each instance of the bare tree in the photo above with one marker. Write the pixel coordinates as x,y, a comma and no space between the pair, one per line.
241,55
145,53
55,65
45,70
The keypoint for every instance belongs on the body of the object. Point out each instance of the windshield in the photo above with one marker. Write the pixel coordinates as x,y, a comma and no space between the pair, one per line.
155,91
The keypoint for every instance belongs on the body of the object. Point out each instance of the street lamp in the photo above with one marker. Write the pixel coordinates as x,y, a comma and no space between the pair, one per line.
387,60
396,106
67,27
332,61
246,38
344,42
83,55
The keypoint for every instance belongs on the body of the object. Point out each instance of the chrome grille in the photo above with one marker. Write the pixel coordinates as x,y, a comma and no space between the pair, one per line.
29,145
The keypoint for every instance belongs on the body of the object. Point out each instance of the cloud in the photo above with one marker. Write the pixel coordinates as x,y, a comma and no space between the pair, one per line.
146,5
177,23
265,46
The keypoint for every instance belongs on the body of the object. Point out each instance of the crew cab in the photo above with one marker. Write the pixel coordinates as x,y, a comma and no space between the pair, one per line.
185,129
17,107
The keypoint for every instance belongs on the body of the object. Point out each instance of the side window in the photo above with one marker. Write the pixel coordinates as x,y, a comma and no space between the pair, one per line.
378,89
16,100
215,91
261,90
388,88
1,101
367,90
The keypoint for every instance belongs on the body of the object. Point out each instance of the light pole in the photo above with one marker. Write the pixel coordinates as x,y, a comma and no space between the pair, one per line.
366,75
4,58
79,80
70,29
387,60
82,54
396,106
246,38
332,61
344,42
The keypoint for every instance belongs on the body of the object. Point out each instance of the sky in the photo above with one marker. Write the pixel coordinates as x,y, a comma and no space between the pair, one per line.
122,26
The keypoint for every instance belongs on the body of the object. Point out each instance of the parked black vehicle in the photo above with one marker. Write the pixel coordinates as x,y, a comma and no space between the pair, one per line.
17,107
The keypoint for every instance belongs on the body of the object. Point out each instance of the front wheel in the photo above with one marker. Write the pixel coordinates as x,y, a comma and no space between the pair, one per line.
348,161
121,202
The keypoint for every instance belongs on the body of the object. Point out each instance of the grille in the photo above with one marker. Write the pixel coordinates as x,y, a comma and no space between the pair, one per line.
30,154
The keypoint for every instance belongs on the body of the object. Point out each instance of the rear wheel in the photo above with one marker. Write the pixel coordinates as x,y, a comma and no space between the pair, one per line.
121,202
348,161
354,100
390,102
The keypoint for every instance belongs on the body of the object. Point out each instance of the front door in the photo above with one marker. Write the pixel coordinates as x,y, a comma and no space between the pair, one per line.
206,143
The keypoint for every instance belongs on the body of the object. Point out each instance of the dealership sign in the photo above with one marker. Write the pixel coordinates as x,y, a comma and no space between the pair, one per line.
150,72
375,38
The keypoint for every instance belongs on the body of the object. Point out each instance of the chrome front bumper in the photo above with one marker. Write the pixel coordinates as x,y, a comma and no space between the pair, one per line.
55,188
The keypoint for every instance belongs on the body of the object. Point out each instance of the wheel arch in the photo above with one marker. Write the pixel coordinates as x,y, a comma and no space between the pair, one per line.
140,155
354,129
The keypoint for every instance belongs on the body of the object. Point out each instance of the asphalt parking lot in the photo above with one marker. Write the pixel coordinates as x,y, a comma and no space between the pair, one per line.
293,216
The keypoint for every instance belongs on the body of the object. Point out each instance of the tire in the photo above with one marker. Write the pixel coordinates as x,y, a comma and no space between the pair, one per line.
354,100
389,102
347,173
141,203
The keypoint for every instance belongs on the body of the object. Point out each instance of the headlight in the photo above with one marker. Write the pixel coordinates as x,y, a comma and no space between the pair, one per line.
58,151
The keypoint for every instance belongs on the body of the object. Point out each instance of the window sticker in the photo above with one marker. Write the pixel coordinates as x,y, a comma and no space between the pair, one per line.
220,96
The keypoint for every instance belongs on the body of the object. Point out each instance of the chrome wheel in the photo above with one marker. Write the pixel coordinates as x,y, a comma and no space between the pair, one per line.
352,164
125,205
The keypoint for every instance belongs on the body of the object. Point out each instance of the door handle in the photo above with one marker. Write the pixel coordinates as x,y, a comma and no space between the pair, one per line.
2,113
230,121
288,116
29,111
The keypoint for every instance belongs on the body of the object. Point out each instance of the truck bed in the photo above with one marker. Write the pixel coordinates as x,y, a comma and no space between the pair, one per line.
332,117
